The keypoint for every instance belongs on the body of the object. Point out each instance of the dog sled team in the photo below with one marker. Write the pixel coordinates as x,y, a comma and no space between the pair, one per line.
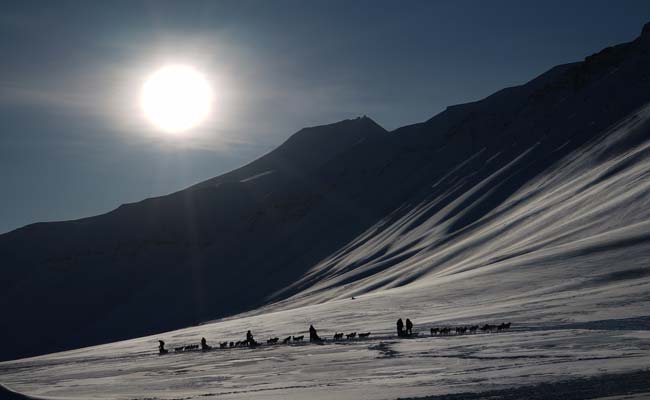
404,330
461,330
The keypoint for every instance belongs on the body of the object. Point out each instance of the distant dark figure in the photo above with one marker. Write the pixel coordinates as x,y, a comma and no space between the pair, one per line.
400,327
409,327
161,347
338,336
503,326
287,340
363,335
313,335
272,340
298,338
204,345
249,339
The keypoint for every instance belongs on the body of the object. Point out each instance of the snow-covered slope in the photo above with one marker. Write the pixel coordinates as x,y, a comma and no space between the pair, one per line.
522,181
588,206
530,205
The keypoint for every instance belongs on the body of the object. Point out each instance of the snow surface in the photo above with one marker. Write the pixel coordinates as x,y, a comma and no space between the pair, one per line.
256,176
382,367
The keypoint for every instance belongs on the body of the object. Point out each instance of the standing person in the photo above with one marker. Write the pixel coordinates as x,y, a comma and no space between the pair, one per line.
313,335
161,347
400,327
409,327
249,339
204,344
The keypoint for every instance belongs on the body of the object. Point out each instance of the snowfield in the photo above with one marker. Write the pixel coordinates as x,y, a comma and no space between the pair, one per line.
536,349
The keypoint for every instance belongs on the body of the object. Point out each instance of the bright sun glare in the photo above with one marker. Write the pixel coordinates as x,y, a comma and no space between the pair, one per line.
176,98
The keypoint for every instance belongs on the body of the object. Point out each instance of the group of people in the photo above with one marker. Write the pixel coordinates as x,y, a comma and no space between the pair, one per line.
250,341
402,330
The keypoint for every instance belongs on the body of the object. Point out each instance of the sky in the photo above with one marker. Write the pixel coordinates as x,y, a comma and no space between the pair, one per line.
75,143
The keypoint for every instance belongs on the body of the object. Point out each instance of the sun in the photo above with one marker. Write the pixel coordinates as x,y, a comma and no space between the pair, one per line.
176,98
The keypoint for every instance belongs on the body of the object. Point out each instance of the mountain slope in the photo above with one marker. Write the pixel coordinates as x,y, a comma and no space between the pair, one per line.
214,249
487,171
555,168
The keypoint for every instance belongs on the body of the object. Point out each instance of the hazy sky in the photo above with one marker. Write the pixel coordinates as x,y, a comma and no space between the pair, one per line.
74,143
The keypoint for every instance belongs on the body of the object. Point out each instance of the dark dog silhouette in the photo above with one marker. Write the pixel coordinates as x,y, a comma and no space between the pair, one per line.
503,326
364,334
351,335
286,340
298,338
272,340
338,336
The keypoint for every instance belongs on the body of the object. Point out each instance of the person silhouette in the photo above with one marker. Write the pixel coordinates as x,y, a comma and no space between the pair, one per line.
249,339
313,335
161,347
409,327
400,327
204,344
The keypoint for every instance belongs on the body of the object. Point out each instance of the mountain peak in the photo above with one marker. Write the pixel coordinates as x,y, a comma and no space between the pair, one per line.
308,148
341,133
645,32
363,122
312,145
